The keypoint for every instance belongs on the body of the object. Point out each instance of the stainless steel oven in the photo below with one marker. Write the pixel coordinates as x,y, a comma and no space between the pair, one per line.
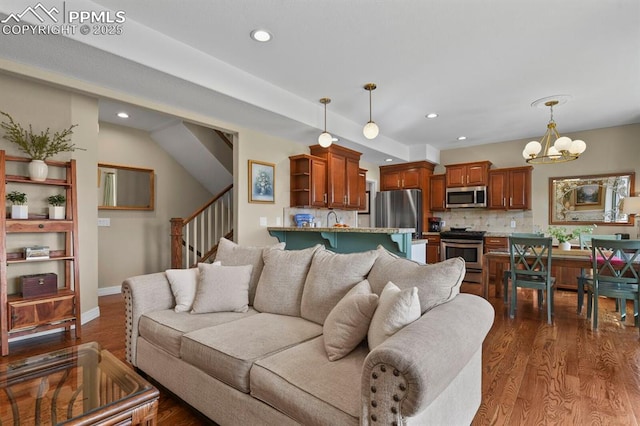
467,245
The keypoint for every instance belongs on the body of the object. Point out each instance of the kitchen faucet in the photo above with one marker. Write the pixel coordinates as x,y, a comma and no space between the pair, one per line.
334,215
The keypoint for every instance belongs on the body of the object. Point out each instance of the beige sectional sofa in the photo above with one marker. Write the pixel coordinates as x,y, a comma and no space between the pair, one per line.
258,351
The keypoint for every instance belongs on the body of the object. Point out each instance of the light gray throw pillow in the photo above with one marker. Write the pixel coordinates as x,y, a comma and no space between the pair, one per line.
280,286
232,254
348,322
396,309
330,277
184,283
437,283
222,289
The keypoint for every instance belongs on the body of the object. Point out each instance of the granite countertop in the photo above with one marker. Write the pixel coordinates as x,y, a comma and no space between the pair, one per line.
349,229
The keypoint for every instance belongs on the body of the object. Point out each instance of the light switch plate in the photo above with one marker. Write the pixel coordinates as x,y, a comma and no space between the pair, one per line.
263,221
104,221
513,223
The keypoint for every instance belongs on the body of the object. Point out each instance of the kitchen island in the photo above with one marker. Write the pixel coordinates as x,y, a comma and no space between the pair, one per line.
346,240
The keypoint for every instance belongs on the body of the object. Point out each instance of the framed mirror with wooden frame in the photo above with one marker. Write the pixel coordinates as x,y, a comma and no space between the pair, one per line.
125,187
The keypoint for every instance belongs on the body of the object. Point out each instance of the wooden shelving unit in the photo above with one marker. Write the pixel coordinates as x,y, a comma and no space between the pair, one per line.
23,316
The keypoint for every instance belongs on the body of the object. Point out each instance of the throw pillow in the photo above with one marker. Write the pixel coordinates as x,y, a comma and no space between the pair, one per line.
396,308
280,286
232,254
437,283
347,323
222,289
330,277
183,284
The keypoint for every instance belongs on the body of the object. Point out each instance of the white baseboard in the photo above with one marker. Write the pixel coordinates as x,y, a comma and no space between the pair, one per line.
108,291
86,317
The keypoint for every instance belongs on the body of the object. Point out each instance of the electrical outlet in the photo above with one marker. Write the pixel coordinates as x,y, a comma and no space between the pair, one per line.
513,223
104,221
278,221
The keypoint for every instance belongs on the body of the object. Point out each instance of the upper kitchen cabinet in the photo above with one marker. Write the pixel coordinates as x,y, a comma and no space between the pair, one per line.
343,176
437,189
308,181
510,189
468,174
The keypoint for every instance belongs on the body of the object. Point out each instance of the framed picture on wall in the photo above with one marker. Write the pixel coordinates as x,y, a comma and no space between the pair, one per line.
262,182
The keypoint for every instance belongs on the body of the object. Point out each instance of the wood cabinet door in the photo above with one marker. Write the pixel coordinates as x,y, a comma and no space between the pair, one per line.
497,188
44,311
495,243
411,179
337,177
437,189
318,183
456,176
433,249
390,181
362,189
352,183
476,174
520,189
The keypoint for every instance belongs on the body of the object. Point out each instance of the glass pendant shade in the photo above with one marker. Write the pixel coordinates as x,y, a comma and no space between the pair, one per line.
370,130
325,139
577,147
532,149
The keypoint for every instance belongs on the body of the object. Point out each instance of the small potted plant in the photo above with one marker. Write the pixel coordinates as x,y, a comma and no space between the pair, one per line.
56,206
19,208
38,146
564,236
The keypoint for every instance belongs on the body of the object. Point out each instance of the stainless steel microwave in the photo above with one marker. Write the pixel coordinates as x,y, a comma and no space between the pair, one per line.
472,196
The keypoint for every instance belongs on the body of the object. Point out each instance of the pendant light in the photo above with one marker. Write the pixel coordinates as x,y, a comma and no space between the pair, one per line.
563,148
370,129
325,139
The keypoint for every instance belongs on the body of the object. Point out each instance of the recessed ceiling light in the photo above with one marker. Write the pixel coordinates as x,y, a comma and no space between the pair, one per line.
462,138
122,114
432,115
261,35
388,159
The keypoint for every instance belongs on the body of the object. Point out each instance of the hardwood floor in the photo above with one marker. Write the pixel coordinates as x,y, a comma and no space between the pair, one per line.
533,373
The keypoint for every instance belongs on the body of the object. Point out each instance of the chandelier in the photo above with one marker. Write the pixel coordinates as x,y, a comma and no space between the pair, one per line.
563,148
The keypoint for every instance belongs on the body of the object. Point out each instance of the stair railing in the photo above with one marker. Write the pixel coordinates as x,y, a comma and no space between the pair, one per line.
195,239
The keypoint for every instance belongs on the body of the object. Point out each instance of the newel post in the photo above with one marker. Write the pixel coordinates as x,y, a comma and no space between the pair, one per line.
177,224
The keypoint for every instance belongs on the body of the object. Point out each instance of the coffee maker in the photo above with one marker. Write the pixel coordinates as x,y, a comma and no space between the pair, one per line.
435,224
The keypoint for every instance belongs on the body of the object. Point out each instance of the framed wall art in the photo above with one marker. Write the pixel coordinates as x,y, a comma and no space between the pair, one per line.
262,182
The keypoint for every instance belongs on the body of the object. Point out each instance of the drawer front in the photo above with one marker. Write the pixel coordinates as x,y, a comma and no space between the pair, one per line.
31,314
39,226
492,243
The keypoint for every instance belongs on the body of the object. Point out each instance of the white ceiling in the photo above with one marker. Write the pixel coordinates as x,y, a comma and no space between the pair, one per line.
479,65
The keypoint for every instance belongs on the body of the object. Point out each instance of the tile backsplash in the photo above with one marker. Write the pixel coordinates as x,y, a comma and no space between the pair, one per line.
348,217
489,220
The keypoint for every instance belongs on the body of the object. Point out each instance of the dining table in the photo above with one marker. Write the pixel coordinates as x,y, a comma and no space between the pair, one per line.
574,258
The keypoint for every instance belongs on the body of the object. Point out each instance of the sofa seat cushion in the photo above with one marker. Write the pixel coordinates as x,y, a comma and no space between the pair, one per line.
306,386
165,328
227,351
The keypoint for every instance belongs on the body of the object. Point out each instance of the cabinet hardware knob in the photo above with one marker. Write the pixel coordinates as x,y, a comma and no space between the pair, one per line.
41,226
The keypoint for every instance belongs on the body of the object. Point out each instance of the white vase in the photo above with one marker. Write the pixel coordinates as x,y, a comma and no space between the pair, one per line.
38,170
56,212
19,212
565,246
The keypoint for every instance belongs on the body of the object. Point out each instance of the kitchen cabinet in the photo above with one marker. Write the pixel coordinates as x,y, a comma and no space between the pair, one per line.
468,174
343,176
437,193
510,188
433,248
308,181
493,244
21,315
413,175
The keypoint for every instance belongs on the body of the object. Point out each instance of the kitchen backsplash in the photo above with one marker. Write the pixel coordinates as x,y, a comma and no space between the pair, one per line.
348,217
489,220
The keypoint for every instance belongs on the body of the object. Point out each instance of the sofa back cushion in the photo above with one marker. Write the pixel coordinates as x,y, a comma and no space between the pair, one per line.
232,254
437,283
330,277
282,280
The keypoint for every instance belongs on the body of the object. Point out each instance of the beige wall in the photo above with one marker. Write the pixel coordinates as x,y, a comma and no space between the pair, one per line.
137,242
614,149
43,106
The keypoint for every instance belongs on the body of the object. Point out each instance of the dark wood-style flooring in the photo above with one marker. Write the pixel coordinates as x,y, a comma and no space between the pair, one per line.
533,373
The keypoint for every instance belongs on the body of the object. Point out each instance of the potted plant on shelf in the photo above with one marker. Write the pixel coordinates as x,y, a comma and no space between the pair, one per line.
38,146
564,235
56,206
19,208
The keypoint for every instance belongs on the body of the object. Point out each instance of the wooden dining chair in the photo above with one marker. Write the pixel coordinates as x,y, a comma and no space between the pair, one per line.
530,263
585,244
507,273
615,274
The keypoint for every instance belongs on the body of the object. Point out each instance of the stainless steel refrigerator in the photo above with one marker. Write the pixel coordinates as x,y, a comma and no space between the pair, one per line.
399,209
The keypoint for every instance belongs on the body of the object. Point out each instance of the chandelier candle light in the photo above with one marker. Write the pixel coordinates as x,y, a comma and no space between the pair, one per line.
325,139
370,129
563,148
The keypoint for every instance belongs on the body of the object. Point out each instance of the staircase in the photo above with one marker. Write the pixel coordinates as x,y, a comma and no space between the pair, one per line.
195,239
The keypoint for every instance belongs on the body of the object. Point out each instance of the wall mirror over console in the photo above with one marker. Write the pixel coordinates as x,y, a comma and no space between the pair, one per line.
125,187
590,199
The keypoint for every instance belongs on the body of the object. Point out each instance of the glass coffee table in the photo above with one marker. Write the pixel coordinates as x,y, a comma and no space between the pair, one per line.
80,385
